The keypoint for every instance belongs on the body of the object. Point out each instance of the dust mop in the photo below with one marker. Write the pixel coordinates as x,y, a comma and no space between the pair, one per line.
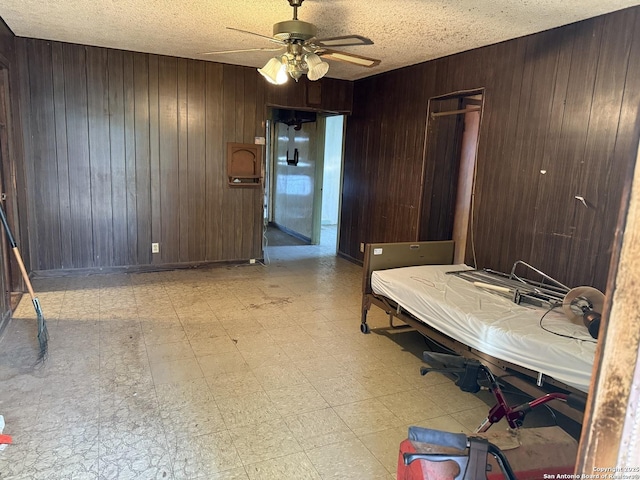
43,336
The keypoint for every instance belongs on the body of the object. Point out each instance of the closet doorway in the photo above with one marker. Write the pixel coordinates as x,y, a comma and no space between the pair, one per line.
450,150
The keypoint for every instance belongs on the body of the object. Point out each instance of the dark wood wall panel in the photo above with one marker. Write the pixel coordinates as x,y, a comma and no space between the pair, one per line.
563,102
76,111
600,217
43,156
141,159
100,157
116,140
173,174
126,149
215,165
557,231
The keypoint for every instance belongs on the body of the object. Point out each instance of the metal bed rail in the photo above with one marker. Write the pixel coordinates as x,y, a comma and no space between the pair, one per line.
546,292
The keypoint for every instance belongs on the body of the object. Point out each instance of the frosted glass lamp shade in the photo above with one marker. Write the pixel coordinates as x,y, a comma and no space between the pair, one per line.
317,68
274,71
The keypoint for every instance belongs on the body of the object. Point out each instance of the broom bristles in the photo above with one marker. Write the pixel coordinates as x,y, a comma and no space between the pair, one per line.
43,334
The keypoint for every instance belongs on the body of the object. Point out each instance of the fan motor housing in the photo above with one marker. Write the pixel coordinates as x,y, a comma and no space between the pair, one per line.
294,30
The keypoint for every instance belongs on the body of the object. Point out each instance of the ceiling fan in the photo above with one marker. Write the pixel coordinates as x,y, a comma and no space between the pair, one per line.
302,52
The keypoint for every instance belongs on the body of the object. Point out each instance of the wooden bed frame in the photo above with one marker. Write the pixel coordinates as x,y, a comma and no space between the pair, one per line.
382,256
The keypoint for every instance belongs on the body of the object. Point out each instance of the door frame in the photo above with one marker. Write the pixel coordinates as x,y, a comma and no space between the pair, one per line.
270,177
461,250
11,280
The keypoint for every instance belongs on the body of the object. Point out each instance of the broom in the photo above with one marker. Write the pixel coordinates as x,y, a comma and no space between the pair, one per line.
43,335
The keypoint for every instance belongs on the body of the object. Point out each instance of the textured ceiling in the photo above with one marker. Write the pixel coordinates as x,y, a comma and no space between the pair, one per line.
404,32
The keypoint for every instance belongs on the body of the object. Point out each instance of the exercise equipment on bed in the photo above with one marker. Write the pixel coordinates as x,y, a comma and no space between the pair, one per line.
585,303
546,292
411,282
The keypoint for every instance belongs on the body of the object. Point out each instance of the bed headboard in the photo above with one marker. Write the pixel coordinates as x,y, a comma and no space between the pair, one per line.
382,256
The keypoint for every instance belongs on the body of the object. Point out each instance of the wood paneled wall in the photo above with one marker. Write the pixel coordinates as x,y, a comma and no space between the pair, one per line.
564,101
124,149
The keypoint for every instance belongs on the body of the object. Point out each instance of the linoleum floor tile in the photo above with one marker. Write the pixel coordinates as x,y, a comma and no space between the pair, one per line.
176,371
297,399
122,404
367,416
60,414
123,467
300,352
250,341
383,382
264,441
155,334
234,384
68,452
341,390
12,462
238,473
411,405
226,362
385,444
167,352
451,399
280,375
265,356
176,395
317,370
192,419
252,408
284,335
291,467
204,456
350,459
121,369
318,428
280,320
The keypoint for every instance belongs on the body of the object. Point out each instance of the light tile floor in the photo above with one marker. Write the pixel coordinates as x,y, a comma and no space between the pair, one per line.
253,372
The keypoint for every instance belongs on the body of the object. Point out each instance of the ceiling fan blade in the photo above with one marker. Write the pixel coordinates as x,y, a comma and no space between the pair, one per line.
349,57
242,50
271,39
343,41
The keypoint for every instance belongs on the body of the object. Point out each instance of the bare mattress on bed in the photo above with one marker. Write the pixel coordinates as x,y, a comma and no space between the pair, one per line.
491,323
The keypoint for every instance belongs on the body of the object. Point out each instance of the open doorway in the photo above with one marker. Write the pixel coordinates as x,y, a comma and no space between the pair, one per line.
303,179
332,181
453,126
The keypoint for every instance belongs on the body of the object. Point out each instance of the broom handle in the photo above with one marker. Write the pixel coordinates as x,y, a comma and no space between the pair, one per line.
16,252
25,276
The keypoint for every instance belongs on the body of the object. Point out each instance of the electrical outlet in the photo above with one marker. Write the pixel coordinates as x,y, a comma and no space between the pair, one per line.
362,247
155,248
253,260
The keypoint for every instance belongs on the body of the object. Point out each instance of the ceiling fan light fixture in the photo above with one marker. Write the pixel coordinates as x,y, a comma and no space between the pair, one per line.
295,70
317,68
274,71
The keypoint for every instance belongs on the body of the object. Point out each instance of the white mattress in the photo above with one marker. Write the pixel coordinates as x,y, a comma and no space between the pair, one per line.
491,323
